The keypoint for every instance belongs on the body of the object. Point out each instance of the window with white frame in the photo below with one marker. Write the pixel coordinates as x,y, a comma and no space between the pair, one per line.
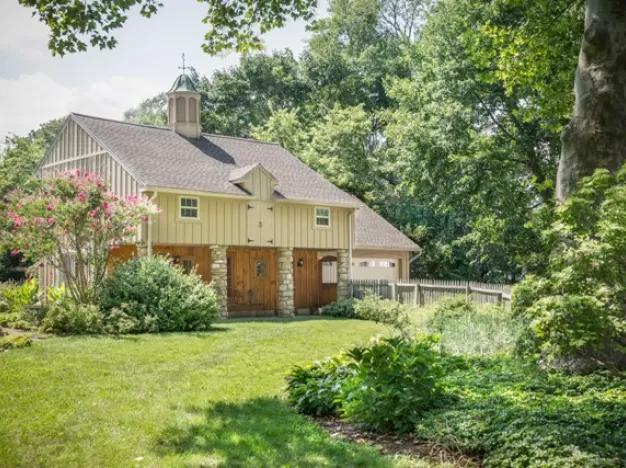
189,208
322,217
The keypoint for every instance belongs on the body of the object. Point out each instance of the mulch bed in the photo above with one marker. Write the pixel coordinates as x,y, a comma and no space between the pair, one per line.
391,444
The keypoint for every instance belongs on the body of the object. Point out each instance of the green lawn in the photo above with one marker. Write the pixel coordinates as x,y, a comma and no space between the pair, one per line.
209,399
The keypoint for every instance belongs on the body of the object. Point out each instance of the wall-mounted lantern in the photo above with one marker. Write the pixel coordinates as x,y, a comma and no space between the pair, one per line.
300,261
176,260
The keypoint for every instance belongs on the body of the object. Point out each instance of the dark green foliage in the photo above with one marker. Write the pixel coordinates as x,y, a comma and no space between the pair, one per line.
64,317
151,295
386,385
314,389
343,308
15,342
396,381
575,312
514,415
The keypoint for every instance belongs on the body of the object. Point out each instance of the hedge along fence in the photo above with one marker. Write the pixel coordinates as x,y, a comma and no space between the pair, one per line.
423,292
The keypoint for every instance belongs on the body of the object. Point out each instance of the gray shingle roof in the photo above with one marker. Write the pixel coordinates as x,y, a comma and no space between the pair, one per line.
159,157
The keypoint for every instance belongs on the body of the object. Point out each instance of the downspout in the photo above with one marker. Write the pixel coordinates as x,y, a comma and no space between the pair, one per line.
350,244
150,227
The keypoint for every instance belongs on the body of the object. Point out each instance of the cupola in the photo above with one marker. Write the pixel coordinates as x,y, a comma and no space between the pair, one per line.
183,107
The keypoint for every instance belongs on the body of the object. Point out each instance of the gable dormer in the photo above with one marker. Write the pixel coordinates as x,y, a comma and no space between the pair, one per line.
183,108
256,180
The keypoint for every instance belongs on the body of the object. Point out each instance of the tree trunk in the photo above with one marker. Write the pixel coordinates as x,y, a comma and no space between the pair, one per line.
596,136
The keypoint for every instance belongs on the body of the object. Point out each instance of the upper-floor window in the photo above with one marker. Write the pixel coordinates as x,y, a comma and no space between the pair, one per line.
189,208
322,217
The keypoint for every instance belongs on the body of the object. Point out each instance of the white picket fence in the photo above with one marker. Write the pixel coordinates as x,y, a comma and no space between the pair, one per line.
423,292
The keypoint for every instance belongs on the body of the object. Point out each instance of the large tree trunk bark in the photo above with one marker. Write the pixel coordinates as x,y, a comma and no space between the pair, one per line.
596,136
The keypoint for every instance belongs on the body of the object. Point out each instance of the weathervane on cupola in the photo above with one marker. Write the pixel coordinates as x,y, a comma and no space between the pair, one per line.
183,106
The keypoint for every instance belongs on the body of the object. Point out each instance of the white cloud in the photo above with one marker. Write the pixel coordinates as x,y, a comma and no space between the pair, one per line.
32,99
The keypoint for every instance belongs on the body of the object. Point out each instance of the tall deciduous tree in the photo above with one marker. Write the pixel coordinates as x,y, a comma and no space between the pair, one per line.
595,137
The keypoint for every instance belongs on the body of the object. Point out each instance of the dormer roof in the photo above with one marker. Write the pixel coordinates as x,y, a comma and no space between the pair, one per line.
239,174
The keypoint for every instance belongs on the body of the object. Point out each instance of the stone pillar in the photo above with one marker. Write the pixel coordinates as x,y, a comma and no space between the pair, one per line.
142,249
343,274
285,283
219,278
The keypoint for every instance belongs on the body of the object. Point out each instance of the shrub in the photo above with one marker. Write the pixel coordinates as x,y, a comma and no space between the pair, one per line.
150,295
18,296
67,317
314,389
395,382
380,310
15,299
343,308
575,312
15,342
386,385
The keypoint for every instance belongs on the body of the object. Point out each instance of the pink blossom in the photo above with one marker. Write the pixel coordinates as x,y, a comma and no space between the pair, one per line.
49,207
18,221
14,252
144,219
93,213
41,265
82,196
51,221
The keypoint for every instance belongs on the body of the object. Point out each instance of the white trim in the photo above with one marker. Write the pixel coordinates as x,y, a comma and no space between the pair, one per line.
75,158
180,208
317,203
315,216
194,193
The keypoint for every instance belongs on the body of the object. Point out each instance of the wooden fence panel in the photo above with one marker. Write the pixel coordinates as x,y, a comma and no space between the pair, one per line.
424,292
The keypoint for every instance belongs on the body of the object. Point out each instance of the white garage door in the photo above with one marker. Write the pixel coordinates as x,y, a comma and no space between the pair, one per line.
375,269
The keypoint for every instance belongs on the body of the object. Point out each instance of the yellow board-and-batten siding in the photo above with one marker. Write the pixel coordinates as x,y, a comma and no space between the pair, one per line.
224,221
75,149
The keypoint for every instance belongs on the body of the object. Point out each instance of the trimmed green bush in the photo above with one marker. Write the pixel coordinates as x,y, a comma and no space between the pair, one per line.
343,308
151,295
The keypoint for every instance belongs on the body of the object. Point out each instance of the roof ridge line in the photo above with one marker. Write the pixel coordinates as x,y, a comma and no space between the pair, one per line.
157,127
253,140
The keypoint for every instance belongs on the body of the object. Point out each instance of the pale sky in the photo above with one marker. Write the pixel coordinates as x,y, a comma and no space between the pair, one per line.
36,87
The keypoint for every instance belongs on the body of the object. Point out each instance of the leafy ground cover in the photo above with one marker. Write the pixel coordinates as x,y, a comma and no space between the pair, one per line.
199,399
512,414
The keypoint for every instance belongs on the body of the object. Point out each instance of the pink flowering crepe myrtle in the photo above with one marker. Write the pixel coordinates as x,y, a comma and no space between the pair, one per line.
72,214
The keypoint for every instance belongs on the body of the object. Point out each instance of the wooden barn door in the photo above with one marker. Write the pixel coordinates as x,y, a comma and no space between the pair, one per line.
306,275
252,280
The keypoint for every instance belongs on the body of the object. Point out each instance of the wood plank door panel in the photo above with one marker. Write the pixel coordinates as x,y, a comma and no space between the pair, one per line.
306,279
260,224
253,279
